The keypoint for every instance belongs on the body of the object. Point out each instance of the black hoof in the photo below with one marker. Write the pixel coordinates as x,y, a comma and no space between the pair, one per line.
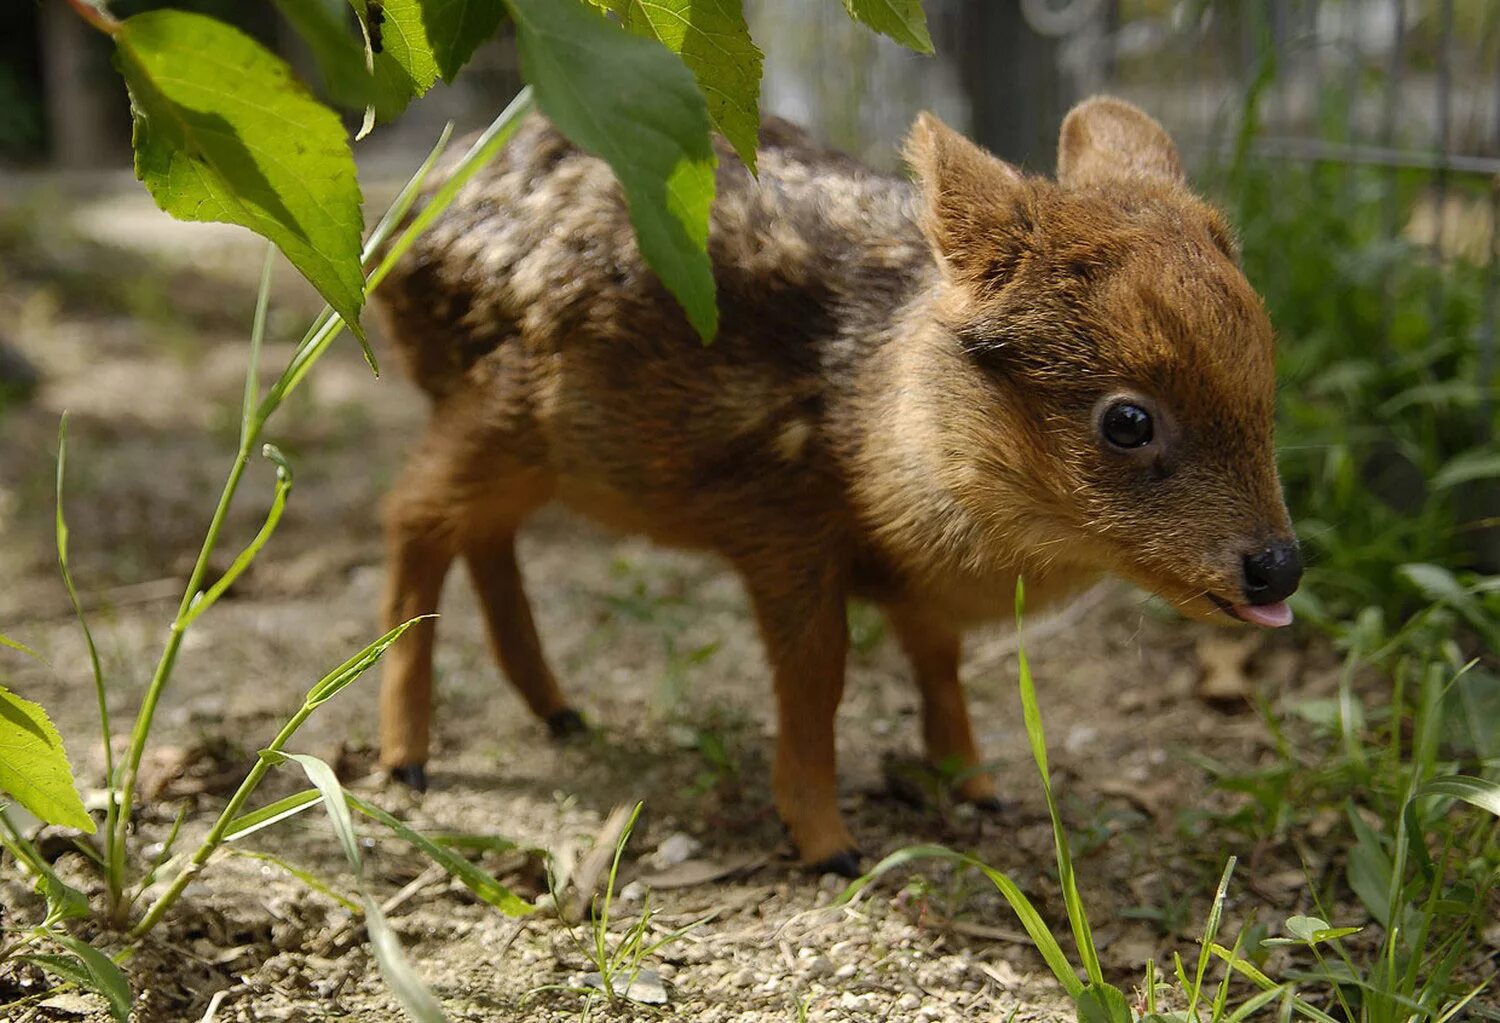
413,776
566,723
844,864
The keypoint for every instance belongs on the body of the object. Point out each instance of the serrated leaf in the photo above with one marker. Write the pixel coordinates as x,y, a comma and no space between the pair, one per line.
34,766
419,41
224,133
902,20
104,976
650,125
714,42
328,31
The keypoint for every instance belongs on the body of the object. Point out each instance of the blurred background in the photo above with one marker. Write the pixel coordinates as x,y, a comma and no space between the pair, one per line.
1355,143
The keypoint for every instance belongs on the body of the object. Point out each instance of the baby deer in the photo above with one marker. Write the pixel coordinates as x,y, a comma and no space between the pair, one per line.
919,392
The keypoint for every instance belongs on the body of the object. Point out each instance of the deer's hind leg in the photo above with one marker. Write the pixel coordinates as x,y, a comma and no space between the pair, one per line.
461,495
513,638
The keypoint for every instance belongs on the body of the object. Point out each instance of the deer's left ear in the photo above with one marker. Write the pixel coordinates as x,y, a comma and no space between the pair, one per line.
975,206
1104,139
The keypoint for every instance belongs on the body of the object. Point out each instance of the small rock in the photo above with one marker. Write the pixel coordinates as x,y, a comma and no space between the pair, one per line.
853,1002
646,987
845,972
818,966
673,850
631,894
908,1002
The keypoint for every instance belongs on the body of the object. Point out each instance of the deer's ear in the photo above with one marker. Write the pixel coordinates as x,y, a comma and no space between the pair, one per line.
974,205
1106,139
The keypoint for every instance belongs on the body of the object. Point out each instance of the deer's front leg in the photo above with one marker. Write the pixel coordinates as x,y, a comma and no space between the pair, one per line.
804,625
933,649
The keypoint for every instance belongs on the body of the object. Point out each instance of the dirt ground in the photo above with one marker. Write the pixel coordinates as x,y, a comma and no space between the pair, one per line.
138,328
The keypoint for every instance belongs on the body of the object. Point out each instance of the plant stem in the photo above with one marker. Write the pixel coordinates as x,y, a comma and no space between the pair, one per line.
96,16
215,836
252,422
119,906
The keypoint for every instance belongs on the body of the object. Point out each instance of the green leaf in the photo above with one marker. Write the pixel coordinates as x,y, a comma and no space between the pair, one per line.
421,41
249,823
34,766
223,132
477,881
64,902
68,968
104,976
1041,936
1103,1003
1478,464
328,31
714,42
6,641
333,683
902,20
1475,791
308,878
414,996
1311,930
650,125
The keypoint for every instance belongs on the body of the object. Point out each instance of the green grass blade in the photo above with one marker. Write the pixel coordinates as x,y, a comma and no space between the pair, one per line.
246,556
1041,936
255,820
1082,934
333,683
257,337
1256,1002
409,989
478,881
1210,933
1478,792
306,877
480,153
402,204
22,647
61,531
1254,975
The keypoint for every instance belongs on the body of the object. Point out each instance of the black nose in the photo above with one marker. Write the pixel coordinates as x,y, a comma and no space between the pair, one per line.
1272,574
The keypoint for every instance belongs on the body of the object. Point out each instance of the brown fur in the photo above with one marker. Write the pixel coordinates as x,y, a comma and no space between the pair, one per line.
899,406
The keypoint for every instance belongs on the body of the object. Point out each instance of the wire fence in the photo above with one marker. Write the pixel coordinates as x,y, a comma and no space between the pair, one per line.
1409,87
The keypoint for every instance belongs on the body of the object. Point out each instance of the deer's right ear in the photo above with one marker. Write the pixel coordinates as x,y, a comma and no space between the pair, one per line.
975,206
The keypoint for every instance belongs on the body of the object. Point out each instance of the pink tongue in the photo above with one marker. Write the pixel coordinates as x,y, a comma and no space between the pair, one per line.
1272,616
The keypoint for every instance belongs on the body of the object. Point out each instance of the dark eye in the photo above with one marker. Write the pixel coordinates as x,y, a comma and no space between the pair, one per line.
1126,425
